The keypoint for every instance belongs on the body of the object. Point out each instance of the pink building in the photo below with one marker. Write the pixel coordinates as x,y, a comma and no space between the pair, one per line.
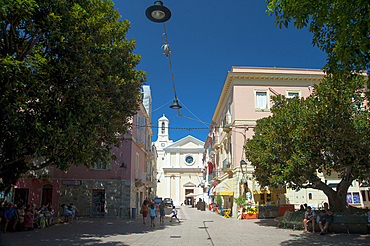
245,98
114,190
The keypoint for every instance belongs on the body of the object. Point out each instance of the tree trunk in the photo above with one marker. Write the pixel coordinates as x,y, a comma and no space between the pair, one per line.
337,199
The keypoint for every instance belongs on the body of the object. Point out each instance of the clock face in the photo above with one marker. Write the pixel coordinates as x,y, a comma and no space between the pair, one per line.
162,144
189,160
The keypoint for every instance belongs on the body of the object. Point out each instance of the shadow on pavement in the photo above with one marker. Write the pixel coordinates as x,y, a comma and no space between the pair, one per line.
85,231
266,222
328,239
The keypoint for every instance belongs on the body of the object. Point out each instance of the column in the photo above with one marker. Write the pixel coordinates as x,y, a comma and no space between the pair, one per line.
177,159
177,190
168,186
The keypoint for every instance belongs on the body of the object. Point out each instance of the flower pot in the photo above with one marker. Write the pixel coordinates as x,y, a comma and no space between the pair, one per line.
250,216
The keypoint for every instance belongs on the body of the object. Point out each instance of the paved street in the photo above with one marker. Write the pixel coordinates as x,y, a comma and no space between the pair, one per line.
196,228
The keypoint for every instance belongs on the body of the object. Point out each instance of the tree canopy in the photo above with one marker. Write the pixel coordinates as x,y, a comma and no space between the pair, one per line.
341,28
68,83
329,131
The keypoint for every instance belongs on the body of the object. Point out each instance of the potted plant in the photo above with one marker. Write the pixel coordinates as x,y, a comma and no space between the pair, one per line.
251,212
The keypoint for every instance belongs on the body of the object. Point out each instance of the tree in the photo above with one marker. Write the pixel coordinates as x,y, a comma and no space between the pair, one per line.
329,131
340,28
68,84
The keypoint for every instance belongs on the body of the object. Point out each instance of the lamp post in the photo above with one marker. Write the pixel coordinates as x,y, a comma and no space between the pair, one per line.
160,14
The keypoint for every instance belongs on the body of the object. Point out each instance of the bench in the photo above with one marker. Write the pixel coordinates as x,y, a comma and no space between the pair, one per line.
285,219
350,223
342,222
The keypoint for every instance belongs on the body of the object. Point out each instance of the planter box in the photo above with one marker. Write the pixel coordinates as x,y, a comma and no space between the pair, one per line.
250,216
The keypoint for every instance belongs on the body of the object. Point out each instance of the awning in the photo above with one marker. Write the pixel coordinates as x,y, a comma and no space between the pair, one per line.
257,192
192,195
226,188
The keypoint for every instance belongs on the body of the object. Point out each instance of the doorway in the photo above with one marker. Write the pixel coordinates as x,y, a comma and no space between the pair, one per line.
47,194
98,203
21,195
189,199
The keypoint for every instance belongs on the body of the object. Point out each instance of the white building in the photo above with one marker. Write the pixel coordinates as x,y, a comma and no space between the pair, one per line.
179,166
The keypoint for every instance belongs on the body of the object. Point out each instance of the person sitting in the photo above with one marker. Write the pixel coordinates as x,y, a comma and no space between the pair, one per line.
309,216
21,213
74,211
326,218
36,216
28,218
50,214
10,217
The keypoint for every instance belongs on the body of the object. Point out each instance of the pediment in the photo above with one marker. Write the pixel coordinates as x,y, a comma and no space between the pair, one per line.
189,184
188,142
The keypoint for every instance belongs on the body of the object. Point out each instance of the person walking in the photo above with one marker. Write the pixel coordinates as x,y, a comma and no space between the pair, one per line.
162,212
152,214
144,209
174,211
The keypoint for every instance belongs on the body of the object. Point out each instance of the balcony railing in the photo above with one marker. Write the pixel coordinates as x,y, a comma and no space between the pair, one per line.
226,164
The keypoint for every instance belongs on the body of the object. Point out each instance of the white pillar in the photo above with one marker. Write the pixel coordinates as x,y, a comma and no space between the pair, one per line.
177,159
168,159
178,191
168,186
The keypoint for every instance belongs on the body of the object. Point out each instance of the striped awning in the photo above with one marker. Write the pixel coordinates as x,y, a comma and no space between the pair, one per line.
226,188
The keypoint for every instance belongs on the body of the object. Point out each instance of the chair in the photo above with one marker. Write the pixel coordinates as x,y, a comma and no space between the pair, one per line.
227,212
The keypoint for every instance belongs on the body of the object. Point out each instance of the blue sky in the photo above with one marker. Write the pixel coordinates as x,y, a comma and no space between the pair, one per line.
207,38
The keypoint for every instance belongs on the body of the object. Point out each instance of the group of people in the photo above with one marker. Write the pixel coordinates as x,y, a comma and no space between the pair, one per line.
19,217
325,219
69,212
152,209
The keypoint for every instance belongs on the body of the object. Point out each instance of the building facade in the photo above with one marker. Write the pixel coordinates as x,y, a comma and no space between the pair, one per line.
245,98
114,190
179,166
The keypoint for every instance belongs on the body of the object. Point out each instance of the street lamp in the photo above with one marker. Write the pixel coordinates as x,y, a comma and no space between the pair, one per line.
158,12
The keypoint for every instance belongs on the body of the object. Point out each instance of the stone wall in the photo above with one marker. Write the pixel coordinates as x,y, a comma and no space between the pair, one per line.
118,196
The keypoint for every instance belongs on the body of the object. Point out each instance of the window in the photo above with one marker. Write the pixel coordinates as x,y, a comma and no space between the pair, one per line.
262,198
137,128
291,94
163,127
363,193
268,197
261,99
101,166
137,166
353,198
356,197
310,196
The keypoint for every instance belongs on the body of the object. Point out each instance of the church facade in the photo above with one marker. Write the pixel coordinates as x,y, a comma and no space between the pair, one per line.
179,166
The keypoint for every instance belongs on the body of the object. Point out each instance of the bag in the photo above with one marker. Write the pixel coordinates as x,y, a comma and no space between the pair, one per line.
141,211
42,223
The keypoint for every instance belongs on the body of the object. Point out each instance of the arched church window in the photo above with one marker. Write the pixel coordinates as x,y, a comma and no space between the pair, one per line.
163,126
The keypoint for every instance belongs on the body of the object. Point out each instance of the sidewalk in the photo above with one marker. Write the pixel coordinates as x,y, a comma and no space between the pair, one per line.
196,228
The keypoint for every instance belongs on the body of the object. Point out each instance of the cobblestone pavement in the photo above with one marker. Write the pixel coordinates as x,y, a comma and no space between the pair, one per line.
196,228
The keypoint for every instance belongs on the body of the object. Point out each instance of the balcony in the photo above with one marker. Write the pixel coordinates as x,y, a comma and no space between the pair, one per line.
226,164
